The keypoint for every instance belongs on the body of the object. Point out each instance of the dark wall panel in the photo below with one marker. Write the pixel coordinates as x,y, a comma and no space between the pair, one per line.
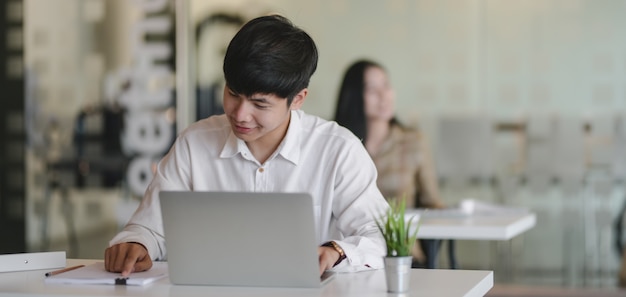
12,135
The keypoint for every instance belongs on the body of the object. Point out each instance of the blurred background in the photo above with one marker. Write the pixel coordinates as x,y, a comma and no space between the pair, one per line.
524,104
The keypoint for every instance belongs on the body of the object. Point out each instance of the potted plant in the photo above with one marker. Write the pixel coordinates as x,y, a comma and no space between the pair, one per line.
400,236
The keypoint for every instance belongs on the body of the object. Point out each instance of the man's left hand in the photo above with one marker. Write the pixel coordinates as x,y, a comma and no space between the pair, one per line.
328,256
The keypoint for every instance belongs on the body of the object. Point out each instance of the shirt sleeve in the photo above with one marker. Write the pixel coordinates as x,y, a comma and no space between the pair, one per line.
356,204
146,224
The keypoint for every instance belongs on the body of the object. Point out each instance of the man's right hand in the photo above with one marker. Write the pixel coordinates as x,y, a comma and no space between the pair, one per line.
126,258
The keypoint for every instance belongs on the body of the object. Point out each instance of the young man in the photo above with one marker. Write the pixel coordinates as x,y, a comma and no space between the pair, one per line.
264,143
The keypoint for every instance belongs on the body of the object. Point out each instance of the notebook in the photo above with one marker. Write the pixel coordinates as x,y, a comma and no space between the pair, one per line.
241,239
95,274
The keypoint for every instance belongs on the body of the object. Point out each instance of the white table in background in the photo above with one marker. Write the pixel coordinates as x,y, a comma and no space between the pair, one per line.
476,226
484,222
424,282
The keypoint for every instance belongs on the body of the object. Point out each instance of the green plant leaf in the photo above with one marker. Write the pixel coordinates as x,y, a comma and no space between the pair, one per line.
396,230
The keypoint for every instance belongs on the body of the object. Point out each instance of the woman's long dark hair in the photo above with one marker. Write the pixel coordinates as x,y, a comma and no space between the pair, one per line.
350,111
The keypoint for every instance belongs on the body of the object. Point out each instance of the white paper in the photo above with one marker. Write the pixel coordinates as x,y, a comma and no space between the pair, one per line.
95,274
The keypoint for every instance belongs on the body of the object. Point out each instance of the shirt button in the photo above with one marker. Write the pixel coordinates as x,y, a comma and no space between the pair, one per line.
261,169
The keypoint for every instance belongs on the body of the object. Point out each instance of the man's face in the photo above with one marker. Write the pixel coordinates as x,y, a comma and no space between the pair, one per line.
261,119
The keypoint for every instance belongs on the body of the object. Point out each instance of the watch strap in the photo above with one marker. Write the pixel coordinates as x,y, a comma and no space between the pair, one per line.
336,247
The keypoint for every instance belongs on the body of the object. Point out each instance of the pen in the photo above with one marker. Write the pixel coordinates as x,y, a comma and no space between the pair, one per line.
51,273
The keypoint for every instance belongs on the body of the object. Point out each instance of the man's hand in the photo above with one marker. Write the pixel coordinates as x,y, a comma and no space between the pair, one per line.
126,258
328,256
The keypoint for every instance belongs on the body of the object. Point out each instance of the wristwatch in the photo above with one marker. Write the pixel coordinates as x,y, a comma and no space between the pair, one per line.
334,245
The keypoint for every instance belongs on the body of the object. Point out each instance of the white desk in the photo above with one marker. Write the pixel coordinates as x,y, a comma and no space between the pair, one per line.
490,222
424,282
475,227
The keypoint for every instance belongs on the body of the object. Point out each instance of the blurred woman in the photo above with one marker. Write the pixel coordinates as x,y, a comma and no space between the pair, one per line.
366,106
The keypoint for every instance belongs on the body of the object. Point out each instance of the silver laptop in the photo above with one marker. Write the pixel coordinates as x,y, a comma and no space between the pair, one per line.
241,239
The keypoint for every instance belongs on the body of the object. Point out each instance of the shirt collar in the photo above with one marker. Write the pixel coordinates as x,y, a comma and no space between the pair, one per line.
233,145
288,149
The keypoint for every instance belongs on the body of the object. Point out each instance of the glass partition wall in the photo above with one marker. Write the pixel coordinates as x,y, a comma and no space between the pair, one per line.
100,111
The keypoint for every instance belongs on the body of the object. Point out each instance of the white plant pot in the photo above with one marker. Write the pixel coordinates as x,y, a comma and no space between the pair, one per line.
398,273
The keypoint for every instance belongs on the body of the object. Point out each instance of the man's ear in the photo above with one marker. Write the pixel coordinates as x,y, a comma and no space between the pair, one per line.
298,99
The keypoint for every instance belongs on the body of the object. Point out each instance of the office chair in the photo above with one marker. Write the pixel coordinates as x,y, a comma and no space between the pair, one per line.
99,150
465,149
96,160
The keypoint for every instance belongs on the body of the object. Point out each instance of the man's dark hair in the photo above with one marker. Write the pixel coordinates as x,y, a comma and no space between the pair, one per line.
270,55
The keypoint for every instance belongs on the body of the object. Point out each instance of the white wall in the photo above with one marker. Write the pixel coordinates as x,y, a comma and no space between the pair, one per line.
503,57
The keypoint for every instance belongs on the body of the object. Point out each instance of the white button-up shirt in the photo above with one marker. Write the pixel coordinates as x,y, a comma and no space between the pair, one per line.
316,156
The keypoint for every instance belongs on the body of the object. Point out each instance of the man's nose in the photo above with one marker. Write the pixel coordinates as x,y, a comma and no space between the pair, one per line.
242,111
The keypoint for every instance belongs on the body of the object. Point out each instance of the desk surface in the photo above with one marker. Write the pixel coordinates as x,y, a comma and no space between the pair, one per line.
476,226
424,282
